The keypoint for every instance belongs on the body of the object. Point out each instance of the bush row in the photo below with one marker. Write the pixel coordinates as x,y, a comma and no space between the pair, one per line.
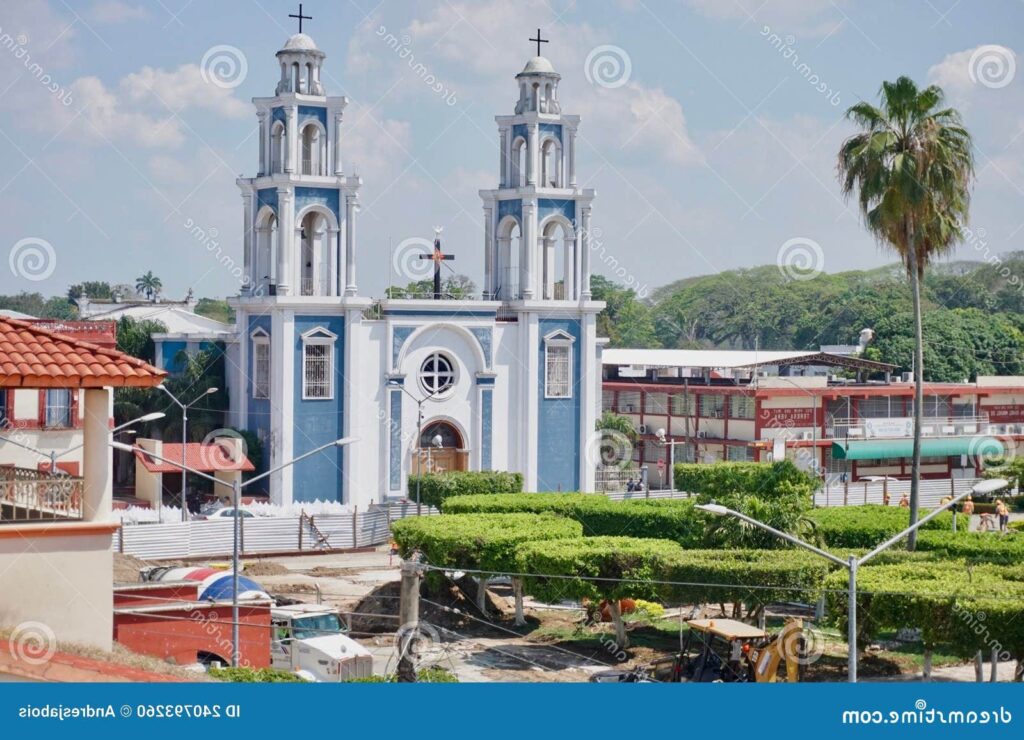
763,479
869,525
434,488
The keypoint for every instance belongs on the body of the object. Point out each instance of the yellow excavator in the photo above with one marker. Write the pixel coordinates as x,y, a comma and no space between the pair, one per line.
723,650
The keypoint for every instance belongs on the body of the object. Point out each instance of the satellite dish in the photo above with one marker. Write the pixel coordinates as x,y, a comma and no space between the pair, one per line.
990,486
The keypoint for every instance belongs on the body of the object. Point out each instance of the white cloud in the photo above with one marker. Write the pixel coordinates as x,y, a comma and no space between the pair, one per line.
973,72
180,89
116,11
109,120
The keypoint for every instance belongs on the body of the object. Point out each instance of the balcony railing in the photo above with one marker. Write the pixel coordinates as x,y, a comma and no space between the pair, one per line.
27,495
899,427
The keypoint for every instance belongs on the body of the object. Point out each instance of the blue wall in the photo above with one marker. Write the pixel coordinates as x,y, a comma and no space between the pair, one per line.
169,358
258,408
558,419
317,422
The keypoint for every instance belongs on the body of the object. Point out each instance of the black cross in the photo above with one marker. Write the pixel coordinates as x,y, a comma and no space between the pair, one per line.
302,17
438,256
539,40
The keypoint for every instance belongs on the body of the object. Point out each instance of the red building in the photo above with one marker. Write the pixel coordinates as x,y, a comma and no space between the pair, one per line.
840,415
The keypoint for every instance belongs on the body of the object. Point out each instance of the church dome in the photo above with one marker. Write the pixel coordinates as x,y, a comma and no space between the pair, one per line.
538,66
300,42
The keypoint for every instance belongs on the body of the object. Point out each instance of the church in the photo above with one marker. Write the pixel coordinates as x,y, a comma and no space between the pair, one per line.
507,380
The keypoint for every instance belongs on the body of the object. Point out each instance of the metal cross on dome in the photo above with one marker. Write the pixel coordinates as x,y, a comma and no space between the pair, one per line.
302,17
539,40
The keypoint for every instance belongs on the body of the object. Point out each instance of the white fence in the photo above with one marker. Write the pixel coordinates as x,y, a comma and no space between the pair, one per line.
874,492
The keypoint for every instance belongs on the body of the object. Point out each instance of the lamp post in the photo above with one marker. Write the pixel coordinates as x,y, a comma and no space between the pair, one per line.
184,438
398,383
853,563
435,441
236,498
671,444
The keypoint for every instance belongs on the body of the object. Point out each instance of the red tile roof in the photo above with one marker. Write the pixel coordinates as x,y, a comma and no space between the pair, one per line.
34,357
206,458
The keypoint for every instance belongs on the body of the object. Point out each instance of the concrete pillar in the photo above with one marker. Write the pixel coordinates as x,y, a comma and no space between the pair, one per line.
337,144
264,141
532,155
528,260
286,239
569,268
249,275
585,257
488,251
97,456
333,262
571,156
503,164
351,208
292,126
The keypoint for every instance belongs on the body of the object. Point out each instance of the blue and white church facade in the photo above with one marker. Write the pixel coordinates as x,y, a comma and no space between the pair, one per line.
506,381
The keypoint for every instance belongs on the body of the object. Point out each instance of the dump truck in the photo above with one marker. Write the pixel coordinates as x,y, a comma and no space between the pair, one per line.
310,640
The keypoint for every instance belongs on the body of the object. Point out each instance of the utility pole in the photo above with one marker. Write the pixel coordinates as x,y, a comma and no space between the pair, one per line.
408,617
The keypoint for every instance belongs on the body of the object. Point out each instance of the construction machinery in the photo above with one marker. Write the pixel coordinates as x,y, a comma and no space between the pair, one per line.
723,650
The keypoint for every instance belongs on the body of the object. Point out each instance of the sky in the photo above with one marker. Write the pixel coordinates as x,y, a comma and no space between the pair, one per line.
709,127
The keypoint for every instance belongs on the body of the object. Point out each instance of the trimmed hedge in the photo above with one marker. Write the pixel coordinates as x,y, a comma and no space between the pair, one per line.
642,561
668,519
750,576
970,610
436,487
870,525
763,479
478,541
984,547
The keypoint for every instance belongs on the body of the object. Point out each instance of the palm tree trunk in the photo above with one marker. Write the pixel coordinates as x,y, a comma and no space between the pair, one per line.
915,469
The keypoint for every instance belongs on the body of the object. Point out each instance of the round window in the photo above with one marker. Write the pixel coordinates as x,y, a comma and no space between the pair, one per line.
437,374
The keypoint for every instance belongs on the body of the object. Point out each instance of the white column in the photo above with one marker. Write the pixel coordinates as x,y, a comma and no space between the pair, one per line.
337,144
286,239
569,268
585,257
528,258
249,274
503,164
292,127
333,266
264,141
531,154
488,251
571,154
97,469
548,266
351,208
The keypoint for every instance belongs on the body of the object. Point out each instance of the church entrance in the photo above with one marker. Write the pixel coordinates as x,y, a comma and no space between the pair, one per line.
441,449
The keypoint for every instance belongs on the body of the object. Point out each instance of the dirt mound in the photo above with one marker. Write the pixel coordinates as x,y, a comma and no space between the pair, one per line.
126,568
264,568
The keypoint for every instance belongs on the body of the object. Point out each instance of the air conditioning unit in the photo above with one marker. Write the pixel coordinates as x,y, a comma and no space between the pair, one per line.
907,377
808,436
642,429
702,435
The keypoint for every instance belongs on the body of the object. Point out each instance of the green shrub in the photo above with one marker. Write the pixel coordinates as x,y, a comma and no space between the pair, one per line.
762,479
436,487
746,576
628,567
668,519
433,674
255,675
984,547
869,525
478,541
981,608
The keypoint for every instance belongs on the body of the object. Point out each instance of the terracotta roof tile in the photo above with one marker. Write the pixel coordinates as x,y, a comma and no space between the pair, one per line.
206,458
34,357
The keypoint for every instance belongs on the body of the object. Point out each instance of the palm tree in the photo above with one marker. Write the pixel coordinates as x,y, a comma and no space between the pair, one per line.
148,284
911,166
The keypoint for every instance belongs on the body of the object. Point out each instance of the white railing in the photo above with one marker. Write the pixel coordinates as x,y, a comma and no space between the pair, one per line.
31,494
901,427
875,492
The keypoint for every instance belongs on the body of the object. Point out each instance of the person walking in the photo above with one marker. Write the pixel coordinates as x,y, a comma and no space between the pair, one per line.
904,502
968,510
1003,512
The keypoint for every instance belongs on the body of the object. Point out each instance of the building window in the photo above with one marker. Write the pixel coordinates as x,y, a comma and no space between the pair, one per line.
318,365
260,365
739,453
741,407
656,403
711,405
437,373
58,407
681,404
629,402
558,365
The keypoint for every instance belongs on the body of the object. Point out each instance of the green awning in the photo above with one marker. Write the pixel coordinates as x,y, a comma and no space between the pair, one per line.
876,449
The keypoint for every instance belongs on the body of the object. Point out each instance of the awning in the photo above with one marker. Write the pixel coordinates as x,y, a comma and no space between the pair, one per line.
874,449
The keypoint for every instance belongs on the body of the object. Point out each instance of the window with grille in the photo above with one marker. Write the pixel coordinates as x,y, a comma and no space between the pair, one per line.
260,366
437,373
629,402
656,403
741,407
58,407
318,365
738,453
681,404
557,374
711,405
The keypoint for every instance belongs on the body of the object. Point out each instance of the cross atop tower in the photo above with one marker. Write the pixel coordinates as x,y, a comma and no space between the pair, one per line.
539,40
302,17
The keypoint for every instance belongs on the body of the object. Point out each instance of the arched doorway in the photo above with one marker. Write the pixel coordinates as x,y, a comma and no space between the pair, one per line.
450,455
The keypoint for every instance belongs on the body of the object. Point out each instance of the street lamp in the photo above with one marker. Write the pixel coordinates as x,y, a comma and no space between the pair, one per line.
671,444
398,383
236,498
435,441
184,438
853,563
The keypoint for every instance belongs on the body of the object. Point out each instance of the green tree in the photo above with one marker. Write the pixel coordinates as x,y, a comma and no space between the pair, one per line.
94,289
135,337
148,285
910,167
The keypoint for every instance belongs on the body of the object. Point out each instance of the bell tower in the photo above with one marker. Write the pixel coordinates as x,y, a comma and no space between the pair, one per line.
537,221
299,210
